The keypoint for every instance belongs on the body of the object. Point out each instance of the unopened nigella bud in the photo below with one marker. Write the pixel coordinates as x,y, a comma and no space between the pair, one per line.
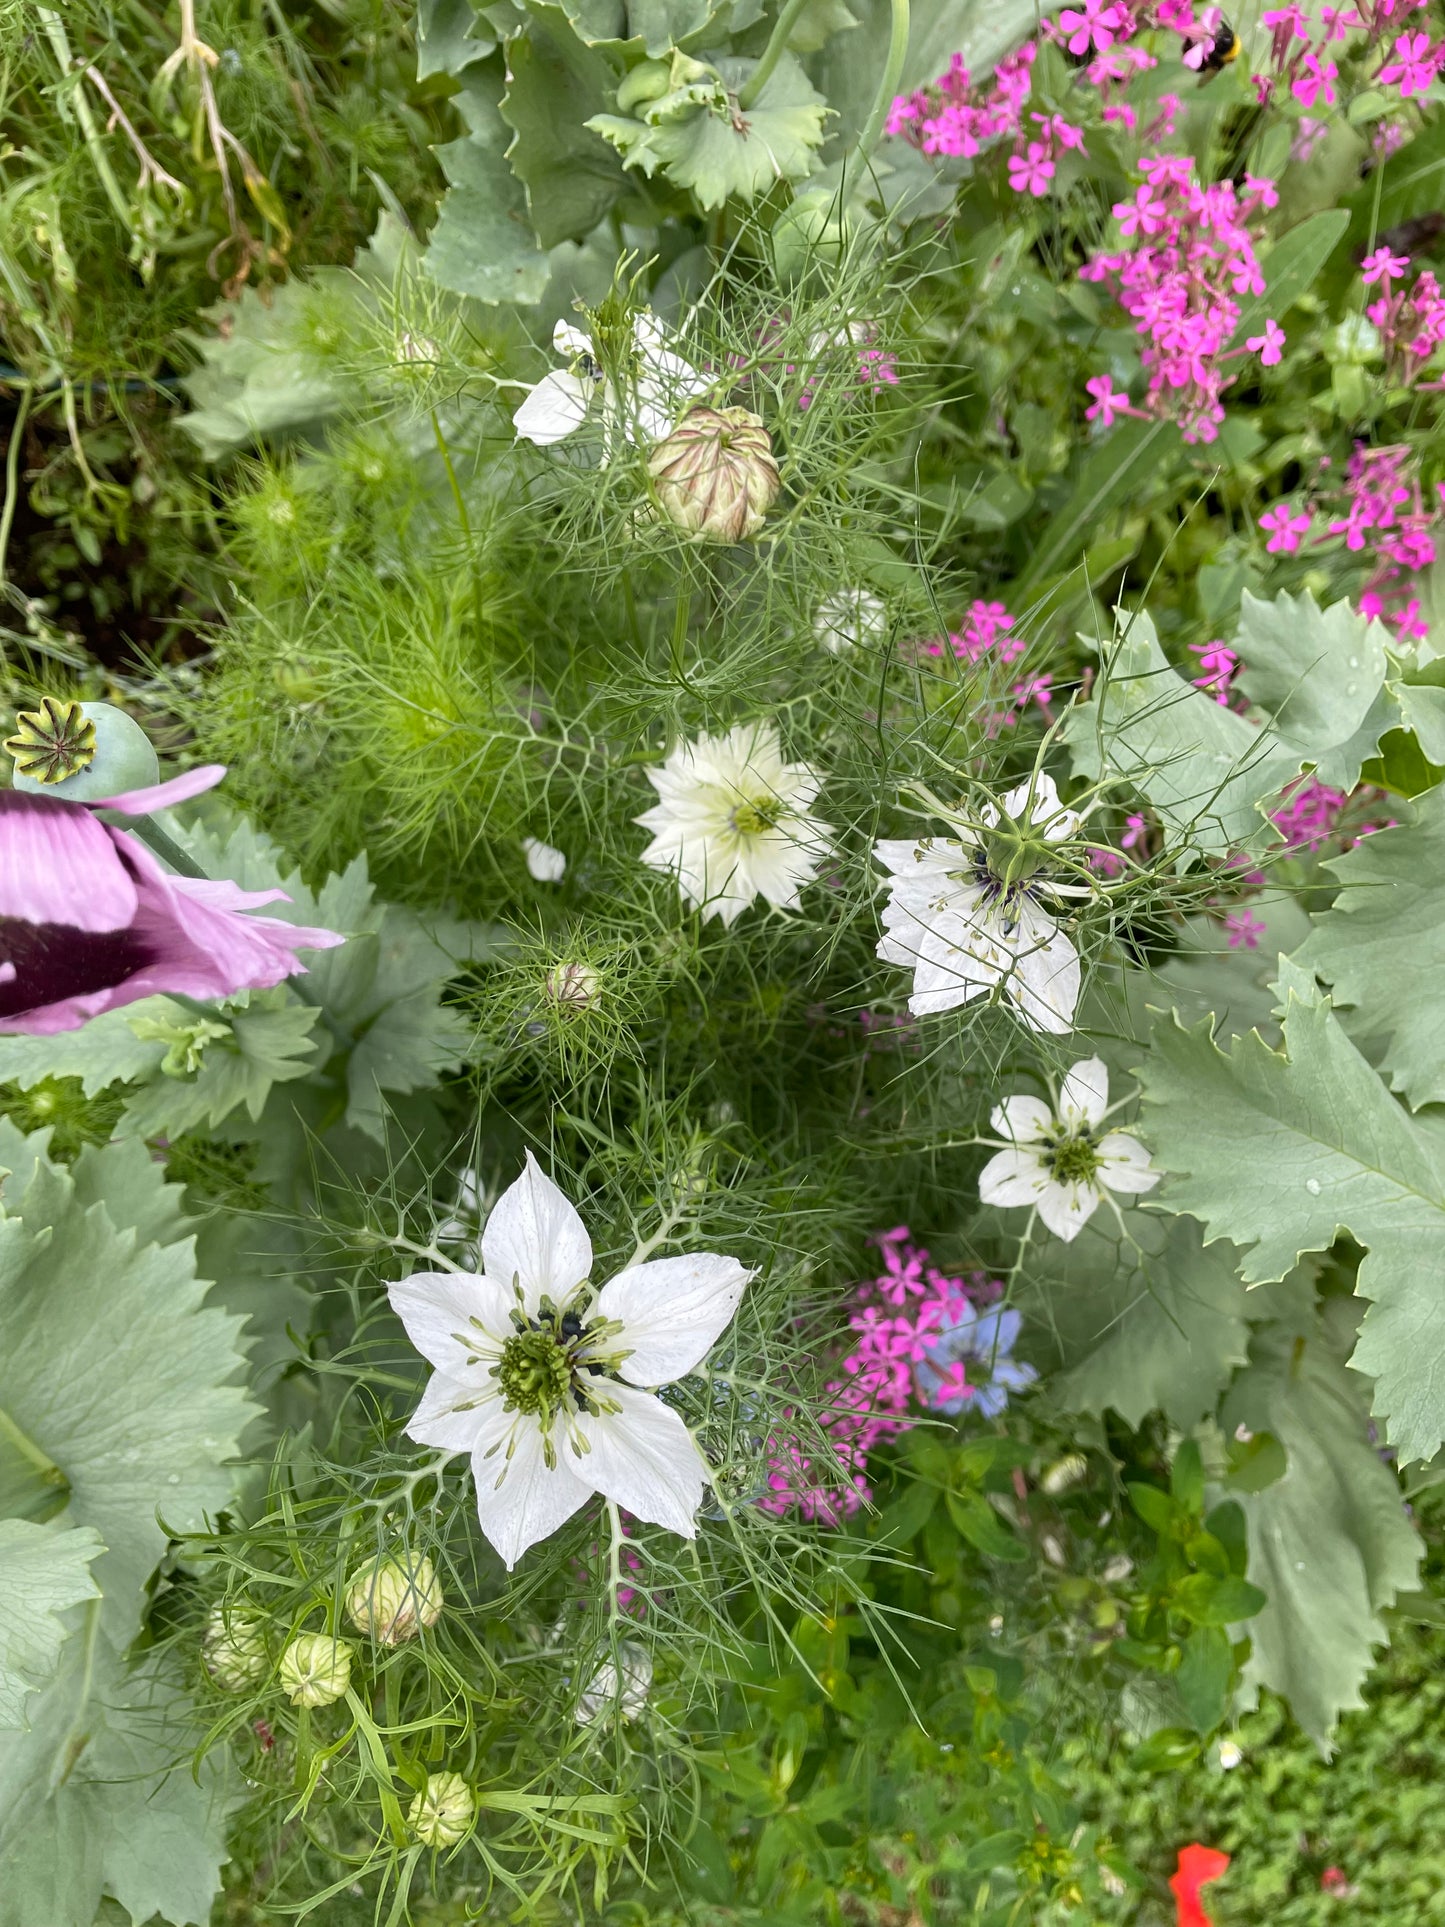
442,1813
715,474
572,988
81,751
316,1669
394,1599
233,1648
623,1689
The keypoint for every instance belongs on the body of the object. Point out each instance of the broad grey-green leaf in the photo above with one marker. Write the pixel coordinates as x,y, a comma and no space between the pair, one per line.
1330,1544
1422,709
1319,672
1279,1151
483,244
114,1373
44,1571
450,37
1205,770
1382,945
571,175
270,1043
102,1052
658,24
818,22
1157,1328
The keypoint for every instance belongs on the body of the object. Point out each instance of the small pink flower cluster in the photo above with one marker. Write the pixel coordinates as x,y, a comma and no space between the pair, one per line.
1303,64
1411,326
1192,257
899,1319
1220,664
1309,814
984,632
953,117
1382,514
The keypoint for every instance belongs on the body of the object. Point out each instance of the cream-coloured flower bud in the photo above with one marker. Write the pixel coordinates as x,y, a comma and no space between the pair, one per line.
572,988
627,1693
715,474
442,1813
233,1648
394,1599
316,1669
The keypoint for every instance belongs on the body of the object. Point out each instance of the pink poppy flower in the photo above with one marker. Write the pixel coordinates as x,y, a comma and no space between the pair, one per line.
89,920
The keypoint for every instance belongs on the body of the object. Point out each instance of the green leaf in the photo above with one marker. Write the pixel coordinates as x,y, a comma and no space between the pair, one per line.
717,150
270,1043
1280,1151
818,22
43,1573
449,37
572,176
1382,946
1202,1680
1205,770
1136,455
1290,269
1320,673
1330,1545
1186,1476
1207,1600
1156,1508
483,244
1410,182
1160,1327
113,1373
1422,709
660,25
976,1519
102,1052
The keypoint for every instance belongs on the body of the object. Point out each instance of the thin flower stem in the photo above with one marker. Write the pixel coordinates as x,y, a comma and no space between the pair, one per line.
437,1257
887,86
772,53
89,132
12,471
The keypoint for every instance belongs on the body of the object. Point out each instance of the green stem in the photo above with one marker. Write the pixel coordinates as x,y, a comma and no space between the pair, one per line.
12,467
887,87
165,847
772,53
90,133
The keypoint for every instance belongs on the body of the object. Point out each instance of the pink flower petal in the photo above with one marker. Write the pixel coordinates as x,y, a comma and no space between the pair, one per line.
59,866
176,789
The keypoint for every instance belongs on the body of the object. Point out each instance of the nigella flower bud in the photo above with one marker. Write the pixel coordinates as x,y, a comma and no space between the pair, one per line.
233,1648
442,1813
626,1690
395,1599
572,988
83,752
316,1669
715,474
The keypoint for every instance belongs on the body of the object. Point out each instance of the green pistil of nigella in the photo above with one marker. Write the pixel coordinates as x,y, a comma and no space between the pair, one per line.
556,1364
1014,852
757,815
52,742
1074,1160
535,1373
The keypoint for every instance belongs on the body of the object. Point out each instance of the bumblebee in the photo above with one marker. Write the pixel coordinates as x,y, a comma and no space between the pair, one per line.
1224,50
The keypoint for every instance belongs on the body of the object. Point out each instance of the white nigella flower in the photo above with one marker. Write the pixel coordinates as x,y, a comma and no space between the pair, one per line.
1057,1160
849,618
661,386
732,822
544,863
964,915
542,1378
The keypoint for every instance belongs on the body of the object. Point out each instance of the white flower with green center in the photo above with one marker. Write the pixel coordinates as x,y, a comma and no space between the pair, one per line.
642,400
1058,1160
732,822
545,1381
966,915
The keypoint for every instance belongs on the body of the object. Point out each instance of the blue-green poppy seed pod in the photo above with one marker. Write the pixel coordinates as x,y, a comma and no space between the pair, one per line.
81,751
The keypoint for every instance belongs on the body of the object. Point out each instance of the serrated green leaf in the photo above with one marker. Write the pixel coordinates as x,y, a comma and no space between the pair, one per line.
1382,945
43,1573
1280,1151
450,37
571,175
270,1043
1205,770
102,1052
1160,1327
1330,1545
483,244
659,25
113,1372
1319,672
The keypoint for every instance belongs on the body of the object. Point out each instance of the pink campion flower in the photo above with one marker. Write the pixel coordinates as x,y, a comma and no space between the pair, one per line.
1416,65
1269,345
90,921
1264,187
1108,402
1245,929
1315,81
1096,26
1142,215
1136,828
1284,528
1219,663
1032,171
1383,266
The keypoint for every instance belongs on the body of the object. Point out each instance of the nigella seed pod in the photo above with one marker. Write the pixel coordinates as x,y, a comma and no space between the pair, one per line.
81,751
715,474
395,1599
442,1813
316,1669
233,1648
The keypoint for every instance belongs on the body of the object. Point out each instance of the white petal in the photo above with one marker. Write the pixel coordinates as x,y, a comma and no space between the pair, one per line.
1124,1163
1024,1119
1013,1178
447,1415
520,1500
1045,980
569,341
556,406
1067,1208
535,1239
544,863
672,1311
1085,1096
643,1457
1048,810
443,1309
